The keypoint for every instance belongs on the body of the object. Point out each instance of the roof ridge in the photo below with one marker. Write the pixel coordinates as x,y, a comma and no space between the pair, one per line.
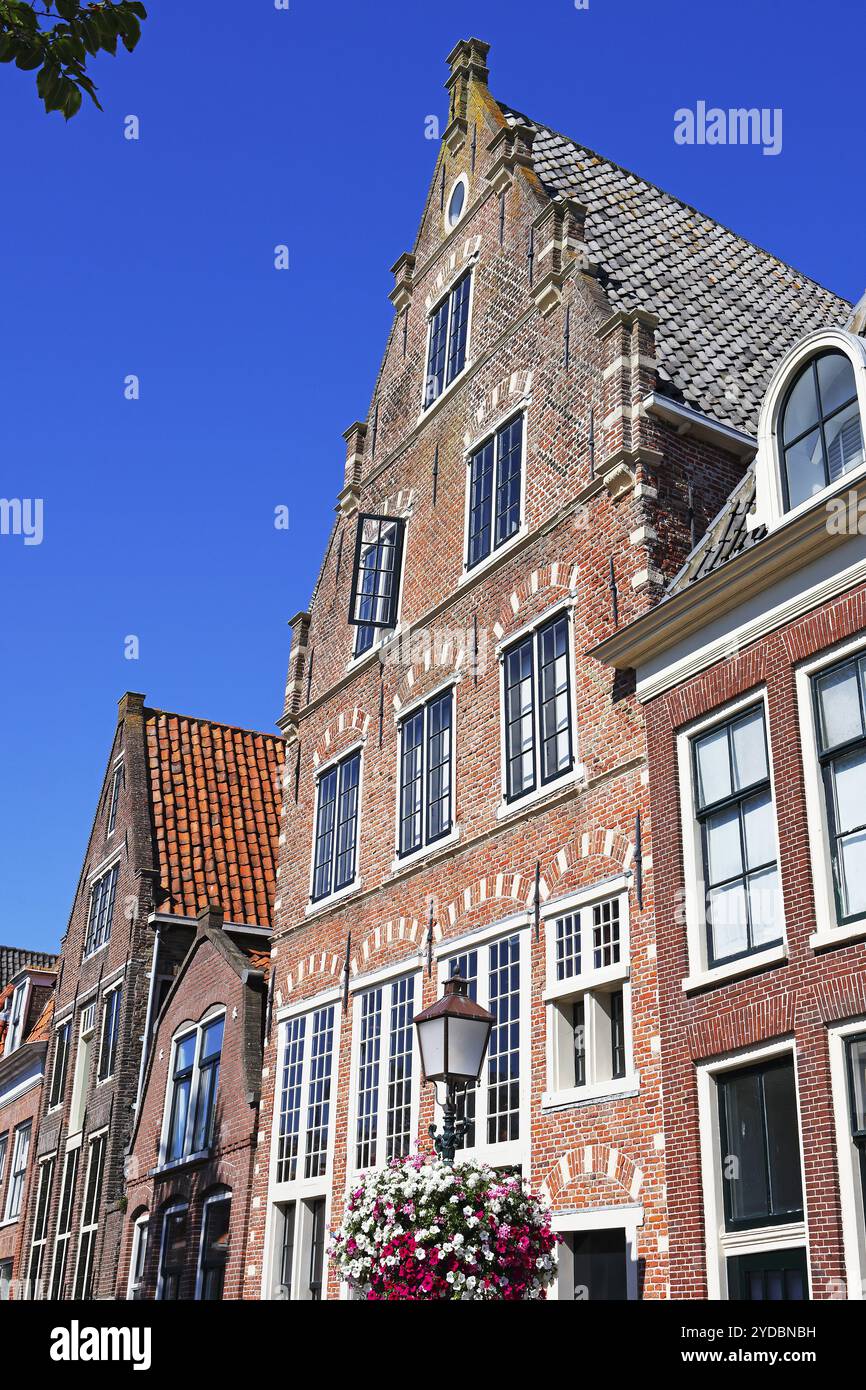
648,183
212,723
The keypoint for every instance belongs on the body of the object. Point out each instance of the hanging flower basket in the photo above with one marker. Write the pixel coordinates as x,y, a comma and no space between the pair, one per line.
424,1229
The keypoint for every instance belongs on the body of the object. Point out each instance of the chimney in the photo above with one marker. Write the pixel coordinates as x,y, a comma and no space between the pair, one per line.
130,703
468,63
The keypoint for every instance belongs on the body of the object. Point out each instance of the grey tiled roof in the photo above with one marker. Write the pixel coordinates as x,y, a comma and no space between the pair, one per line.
726,536
14,958
727,310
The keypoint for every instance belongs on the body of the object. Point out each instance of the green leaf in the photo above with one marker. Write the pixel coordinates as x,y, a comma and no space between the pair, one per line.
8,47
29,58
130,30
67,9
72,102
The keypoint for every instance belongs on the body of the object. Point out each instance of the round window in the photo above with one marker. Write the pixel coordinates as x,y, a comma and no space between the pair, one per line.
455,203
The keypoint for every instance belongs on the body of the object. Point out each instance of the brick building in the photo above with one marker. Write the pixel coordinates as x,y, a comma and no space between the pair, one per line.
752,677
26,1007
187,814
566,399
189,1172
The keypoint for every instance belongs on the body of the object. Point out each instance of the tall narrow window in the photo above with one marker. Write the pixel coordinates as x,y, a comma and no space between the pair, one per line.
40,1226
17,1014
736,815
90,1216
425,774
18,1170
102,896
110,1033
495,470
193,1090
375,595
4,1149
856,1057
537,697
304,1125
214,1248
448,336
116,784
335,850
173,1251
760,1146
64,1224
316,1218
383,1125
840,695
61,1062
588,1013
138,1259
821,432
493,1109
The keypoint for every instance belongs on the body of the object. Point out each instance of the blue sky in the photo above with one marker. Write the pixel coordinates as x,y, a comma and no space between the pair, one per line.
155,257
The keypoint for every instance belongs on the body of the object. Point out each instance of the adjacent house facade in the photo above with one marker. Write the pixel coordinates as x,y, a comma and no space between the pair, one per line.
752,676
26,1008
187,814
565,401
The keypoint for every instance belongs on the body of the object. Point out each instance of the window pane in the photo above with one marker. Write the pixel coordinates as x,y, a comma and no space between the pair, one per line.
520,734
744,1165
480,503
605,933
849,782
215,1249
579,1028
844,442
439,767
568,946
411,786
290,1101
503,1065
319,1105
801,412
783,1141
180,1110
749,750
758,831
459,325
466,965
368,1077
853,856
212,1039
399,1099
764,907
555,713
327,790
727,912
347,821
714,767
436,359
839,706
724,851
509,445
835,381
804,463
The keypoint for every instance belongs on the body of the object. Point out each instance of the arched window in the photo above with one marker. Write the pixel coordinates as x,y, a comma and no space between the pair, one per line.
821,436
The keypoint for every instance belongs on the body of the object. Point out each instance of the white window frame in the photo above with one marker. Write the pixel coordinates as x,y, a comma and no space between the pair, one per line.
521,408
589,982
336,895
827,932
299,1190
700,974
851,1194
22,1139
106,997
576,773
511,1152
180,1034
83,1066
114,798
101,872
4,1154
163,1216
58,1104
223,1194
426,849
468,268
46,1163
383,979
62,1239
140,1232
18,1005
99,1139
722,1244
628,1217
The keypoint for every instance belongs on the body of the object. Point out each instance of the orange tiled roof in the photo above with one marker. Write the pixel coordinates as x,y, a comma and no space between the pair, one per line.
41,1030
215,796
260,960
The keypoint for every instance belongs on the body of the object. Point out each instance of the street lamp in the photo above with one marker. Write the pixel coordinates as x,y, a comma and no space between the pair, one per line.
452,1037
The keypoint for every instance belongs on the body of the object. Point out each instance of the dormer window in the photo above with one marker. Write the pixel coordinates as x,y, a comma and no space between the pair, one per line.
15,1033
820,435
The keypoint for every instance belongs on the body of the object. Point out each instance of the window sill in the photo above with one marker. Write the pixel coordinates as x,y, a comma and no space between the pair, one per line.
625,1087
91,955
409,861
323,904
9,1221
838,936
201,1157
618,972
427,411
468,576
746,965
570,781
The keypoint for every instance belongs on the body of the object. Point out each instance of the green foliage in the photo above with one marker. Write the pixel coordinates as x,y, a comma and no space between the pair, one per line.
58,51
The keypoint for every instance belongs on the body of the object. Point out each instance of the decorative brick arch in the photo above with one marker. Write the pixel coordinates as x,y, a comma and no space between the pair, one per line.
446,662
511,391
557,576
328,965
592,1161
348,719
451,269
517,890
598,843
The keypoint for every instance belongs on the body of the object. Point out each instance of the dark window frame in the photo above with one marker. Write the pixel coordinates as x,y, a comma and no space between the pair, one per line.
739,799
116,784
783,444
447,349
533,640
486,513
827,757
421,716
110,1034
211,1273
383,607
782,1218
171,1275
59,1072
